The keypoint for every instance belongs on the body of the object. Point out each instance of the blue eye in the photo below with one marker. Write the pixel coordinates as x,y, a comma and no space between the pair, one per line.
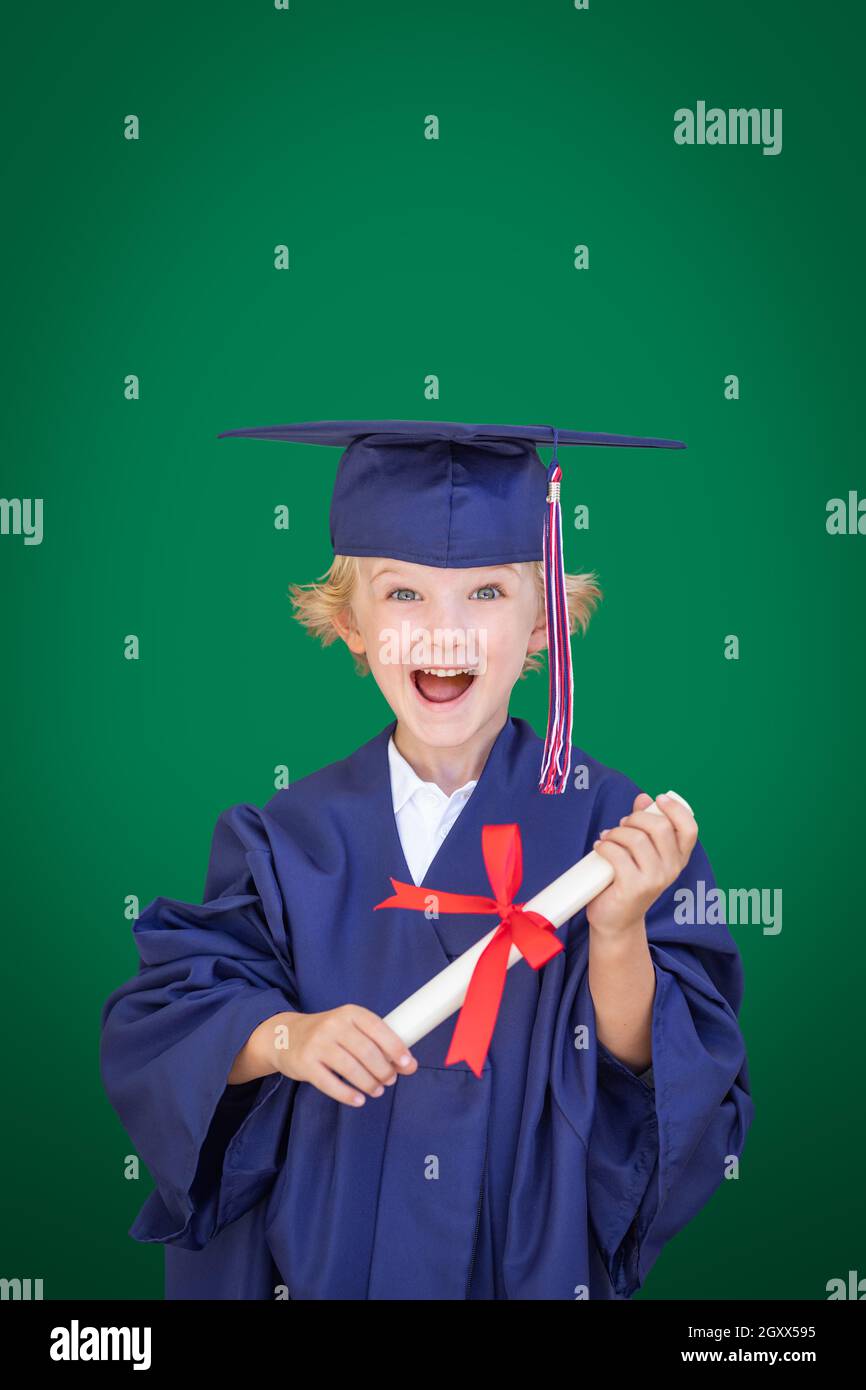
491,588
395,592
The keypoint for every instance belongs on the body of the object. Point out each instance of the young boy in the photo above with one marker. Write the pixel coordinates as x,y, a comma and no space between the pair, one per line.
298,1148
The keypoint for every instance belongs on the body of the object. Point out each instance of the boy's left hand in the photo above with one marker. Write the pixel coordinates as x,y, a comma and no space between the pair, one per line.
647,853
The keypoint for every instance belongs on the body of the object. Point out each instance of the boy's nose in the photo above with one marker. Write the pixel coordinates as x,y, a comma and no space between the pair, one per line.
448,613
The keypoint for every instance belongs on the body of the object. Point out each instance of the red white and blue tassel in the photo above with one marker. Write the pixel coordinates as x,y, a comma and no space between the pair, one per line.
556,763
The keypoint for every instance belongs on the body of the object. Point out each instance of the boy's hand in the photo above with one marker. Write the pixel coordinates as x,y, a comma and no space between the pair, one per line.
351,1042
647,853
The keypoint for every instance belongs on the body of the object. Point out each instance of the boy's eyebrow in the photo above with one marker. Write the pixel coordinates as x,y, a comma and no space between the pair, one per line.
378,573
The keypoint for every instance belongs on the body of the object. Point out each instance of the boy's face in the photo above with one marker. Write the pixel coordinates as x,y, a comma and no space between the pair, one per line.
412,621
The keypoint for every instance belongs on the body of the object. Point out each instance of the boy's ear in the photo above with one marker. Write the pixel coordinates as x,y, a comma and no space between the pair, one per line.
538,636
344,622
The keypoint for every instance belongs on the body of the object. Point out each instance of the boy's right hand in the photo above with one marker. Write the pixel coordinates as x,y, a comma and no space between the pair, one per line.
350,1041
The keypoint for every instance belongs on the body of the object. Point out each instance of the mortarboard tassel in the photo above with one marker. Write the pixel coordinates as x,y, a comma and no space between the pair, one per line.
556,762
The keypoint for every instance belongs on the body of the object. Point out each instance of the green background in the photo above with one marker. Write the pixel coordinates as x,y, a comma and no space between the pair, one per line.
409,257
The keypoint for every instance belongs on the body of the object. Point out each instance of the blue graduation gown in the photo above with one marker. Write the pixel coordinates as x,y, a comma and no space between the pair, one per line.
559,1174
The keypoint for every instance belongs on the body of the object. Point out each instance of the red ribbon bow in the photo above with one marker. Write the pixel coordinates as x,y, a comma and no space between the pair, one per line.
531,932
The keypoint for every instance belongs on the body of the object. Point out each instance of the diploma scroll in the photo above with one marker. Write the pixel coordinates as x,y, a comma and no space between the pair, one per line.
444,994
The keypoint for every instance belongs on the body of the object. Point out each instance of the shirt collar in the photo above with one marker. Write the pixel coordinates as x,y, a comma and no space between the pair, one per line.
405,781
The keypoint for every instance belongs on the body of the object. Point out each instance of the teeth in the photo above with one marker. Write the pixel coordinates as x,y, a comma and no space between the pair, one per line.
437,671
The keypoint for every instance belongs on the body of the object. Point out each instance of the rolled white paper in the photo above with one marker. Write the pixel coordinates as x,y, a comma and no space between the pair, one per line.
444,994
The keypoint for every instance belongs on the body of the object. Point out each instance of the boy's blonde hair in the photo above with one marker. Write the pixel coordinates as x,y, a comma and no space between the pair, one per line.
318,603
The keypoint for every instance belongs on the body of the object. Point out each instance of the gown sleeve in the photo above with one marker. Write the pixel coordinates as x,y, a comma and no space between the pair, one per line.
208,975
661,1142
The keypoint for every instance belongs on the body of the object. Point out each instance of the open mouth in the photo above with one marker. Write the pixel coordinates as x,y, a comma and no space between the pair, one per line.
442,687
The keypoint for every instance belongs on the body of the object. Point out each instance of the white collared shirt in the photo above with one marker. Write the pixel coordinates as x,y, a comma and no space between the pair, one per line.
423,812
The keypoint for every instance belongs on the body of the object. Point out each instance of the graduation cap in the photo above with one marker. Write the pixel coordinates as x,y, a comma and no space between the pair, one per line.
434,492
